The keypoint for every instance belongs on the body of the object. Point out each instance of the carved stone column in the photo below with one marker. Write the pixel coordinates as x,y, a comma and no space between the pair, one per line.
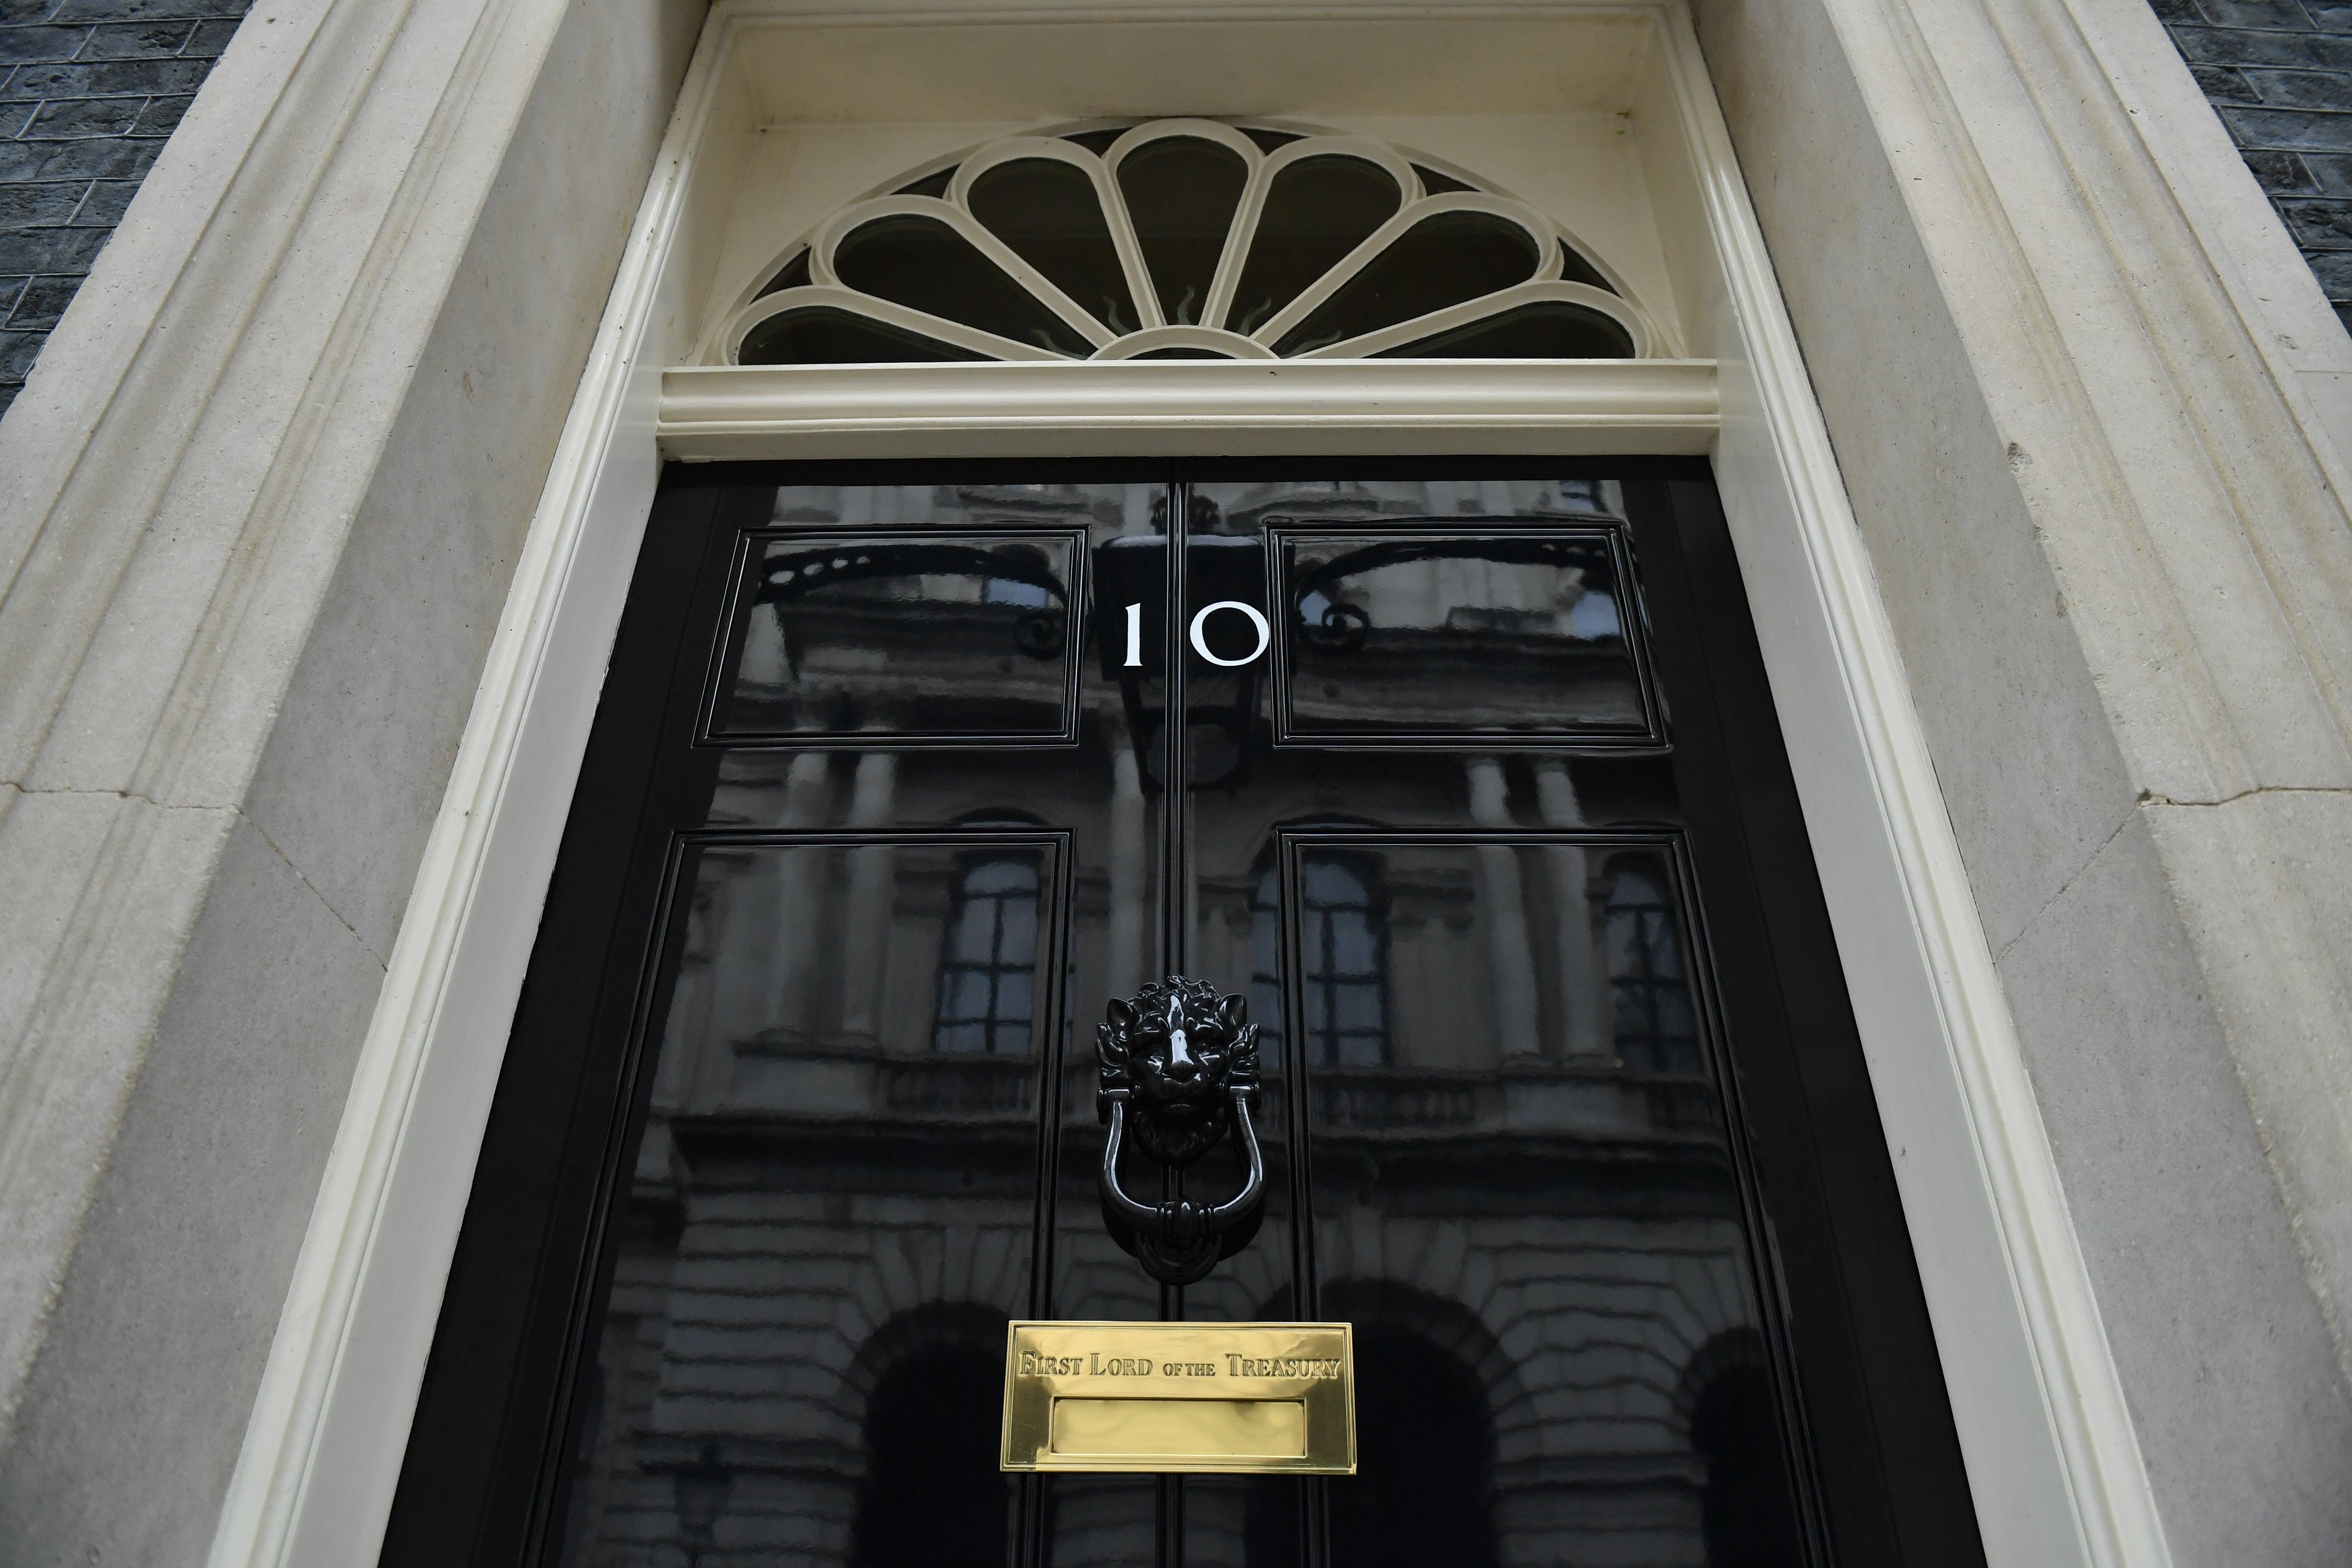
1586,1002
866,923
1503,902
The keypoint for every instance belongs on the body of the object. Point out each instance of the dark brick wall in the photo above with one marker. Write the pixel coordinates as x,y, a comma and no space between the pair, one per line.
2279,72
88,91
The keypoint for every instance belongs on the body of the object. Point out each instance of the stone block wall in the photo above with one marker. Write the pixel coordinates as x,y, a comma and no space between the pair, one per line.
2279,72
89,91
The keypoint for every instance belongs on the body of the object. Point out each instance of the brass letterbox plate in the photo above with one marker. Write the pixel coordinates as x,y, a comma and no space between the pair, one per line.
1260,1398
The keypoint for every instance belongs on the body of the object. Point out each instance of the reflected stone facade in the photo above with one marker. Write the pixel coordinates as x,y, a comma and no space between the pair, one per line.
1522,1193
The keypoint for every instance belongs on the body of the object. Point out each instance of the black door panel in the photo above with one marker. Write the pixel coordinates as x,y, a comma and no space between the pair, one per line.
1483,807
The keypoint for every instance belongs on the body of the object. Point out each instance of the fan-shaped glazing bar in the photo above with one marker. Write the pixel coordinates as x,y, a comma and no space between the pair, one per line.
1147,135
1009,290
1212,342
836,297
1014,149
1151,131
1538,229
842,223
1487,306
1235,261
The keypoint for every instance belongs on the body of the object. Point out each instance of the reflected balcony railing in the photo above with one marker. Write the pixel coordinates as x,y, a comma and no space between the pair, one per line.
959,1084
1588,1098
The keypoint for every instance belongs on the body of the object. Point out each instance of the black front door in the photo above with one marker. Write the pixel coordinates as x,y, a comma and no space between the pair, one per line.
1464,775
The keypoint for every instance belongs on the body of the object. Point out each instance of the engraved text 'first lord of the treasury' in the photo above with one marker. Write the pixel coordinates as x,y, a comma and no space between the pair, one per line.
1095,1364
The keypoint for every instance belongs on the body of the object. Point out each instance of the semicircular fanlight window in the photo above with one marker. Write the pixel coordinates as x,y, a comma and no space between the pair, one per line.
1184,239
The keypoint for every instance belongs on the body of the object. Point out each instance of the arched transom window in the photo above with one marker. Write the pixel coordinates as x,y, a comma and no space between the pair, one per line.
1185,239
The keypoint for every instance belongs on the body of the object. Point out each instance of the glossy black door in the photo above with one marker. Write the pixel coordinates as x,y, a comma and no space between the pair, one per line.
1482,806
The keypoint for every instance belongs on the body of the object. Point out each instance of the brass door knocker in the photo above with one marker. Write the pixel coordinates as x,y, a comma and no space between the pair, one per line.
1179,1065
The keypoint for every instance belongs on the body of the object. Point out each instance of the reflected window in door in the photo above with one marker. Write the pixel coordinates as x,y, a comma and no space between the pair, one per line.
988,962
1007,590
1343,935
1657,1029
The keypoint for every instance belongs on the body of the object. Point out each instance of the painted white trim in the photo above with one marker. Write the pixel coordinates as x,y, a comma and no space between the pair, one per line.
2042,1423
314,1482
2044,1429
1230,344
1153,406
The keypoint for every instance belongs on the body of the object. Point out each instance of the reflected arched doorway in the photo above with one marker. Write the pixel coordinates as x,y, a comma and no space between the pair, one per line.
1747,1512
1423,1488
933,1496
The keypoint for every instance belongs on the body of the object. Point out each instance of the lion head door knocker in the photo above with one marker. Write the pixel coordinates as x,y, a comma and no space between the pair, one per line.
1179,1066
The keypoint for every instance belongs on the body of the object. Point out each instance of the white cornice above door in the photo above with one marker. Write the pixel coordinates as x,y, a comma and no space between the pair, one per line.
1127,407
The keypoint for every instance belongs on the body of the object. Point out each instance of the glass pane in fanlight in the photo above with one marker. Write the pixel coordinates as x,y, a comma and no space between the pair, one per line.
1267,140
915,260
1180,193
933,185
793,274
824,334
1576,269
1442,260
1046,211
1317,211
1548,329
1436,184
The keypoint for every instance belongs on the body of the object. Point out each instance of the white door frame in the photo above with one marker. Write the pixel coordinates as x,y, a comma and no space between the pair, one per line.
2043,1425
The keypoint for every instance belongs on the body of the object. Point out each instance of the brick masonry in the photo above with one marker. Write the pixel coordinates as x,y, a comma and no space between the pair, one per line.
2279,72
88,91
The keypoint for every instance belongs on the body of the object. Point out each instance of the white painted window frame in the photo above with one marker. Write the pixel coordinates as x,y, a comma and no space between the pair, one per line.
825,287
2041,1413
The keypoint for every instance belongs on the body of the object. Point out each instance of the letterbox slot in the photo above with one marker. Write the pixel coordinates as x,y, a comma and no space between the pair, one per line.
1190,1429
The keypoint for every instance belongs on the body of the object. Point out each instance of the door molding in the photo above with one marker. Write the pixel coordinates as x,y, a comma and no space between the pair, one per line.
2040,1410
1154,408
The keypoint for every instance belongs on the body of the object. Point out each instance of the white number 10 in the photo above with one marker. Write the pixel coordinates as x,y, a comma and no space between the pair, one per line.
1199,645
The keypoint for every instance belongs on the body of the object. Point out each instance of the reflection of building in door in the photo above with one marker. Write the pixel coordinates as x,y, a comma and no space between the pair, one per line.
1343,975
988,959
831,1221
